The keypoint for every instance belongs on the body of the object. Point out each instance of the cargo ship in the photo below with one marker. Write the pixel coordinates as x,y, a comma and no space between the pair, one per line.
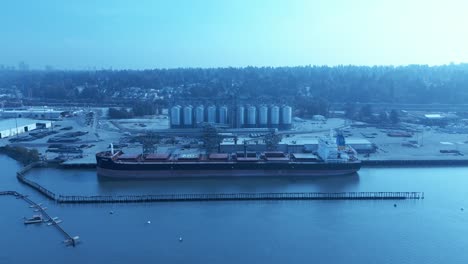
332,158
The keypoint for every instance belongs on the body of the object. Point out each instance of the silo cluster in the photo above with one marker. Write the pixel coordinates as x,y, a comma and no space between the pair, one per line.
241,116
264,116
189,116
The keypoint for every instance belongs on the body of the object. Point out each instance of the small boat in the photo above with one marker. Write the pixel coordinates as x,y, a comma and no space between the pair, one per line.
41,209
36,219
72,241
54,222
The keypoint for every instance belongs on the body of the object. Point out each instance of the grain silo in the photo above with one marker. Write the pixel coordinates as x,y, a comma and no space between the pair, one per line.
199,114
175,117
286,117
223,115
263,116
240,117
274,116
188,116
211,114
251,116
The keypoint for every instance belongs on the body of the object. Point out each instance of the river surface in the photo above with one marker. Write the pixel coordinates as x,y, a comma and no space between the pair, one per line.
433,230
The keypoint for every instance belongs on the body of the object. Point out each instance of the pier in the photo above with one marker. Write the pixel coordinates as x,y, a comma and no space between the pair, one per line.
46,216
414,162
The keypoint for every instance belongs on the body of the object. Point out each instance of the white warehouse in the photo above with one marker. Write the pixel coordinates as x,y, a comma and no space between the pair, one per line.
14,126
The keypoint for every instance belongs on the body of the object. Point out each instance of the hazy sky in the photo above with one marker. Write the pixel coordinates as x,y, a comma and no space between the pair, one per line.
141,34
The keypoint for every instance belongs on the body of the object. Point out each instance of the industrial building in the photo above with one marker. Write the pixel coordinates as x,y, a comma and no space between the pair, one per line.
242,116
15,126
36,113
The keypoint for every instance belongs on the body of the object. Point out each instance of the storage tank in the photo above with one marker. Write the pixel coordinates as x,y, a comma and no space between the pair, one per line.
240,116
175,116
199,114
251,116
188,116
211,114
263,116
286,117
223,115
274,116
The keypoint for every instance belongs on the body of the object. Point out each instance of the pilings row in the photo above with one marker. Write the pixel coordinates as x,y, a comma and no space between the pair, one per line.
241,196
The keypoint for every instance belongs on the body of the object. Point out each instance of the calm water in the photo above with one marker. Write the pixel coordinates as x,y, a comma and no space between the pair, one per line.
433,230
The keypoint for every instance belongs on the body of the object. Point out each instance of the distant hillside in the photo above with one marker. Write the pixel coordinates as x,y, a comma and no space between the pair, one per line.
407,84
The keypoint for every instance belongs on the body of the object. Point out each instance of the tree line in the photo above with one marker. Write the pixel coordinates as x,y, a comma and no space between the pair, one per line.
404,84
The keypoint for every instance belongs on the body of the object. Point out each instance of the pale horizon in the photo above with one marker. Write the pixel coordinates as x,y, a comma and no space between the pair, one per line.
209,34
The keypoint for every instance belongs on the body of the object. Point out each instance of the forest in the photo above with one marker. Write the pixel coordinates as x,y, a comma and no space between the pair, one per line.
418,84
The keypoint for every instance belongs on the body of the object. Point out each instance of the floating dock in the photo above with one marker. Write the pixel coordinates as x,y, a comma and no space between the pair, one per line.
52,221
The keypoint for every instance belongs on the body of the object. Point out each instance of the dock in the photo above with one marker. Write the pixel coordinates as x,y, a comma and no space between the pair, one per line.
46,216
414,162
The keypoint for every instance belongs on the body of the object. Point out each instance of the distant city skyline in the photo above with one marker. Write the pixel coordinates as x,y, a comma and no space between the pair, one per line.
119,34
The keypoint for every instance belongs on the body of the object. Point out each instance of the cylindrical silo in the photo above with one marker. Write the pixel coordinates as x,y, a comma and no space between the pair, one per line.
251,116
199,114
263,116
188,116
223,115
211,114
286,117
274,116
175,117
240,118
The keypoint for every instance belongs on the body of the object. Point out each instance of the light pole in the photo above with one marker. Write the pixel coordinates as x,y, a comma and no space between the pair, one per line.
16,123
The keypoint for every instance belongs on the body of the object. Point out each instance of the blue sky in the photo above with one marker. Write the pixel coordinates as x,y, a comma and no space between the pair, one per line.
145,34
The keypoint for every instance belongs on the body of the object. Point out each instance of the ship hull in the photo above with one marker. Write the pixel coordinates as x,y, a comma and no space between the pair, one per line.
146,170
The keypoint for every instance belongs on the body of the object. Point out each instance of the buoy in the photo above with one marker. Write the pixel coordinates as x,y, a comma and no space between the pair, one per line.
149,222
462,209
394,205
111,212
180,239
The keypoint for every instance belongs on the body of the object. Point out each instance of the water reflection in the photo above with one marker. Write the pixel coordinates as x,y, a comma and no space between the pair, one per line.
227,185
